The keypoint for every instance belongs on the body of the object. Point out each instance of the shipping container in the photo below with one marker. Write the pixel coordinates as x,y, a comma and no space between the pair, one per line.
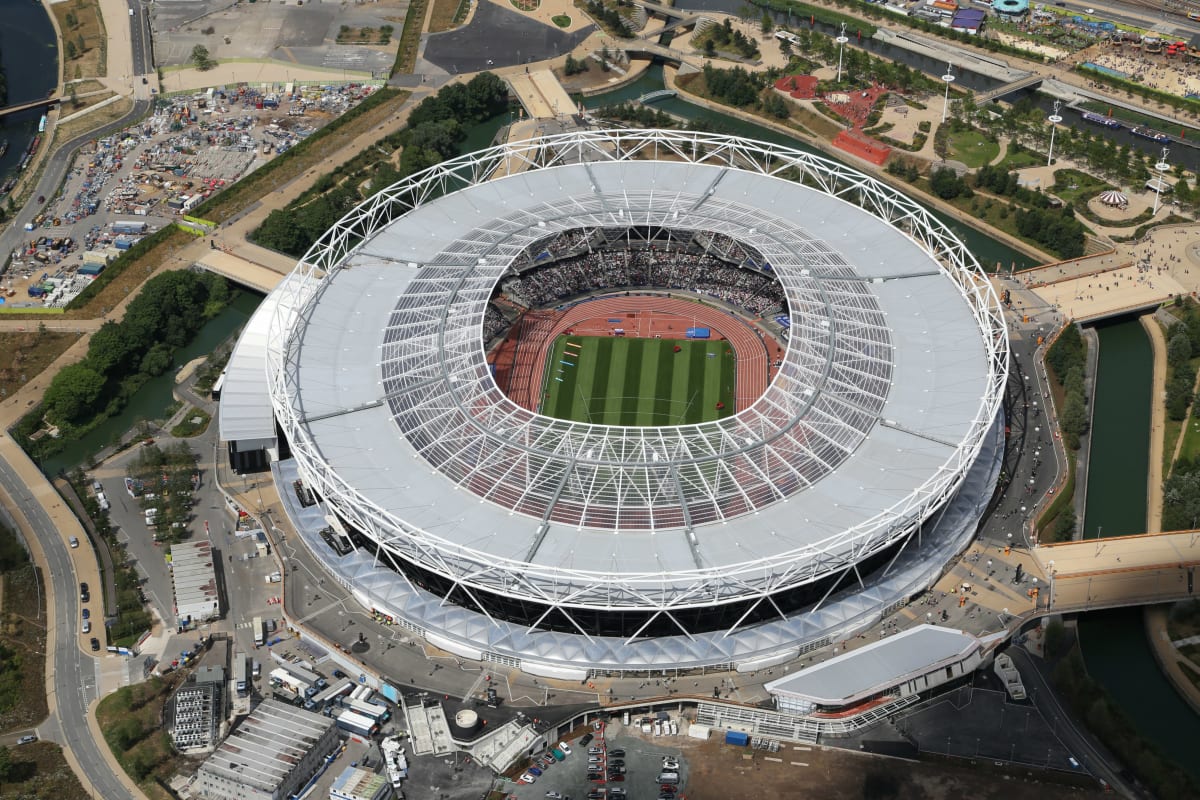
737,738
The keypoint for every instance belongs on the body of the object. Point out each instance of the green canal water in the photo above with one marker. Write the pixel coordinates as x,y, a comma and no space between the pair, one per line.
1114,642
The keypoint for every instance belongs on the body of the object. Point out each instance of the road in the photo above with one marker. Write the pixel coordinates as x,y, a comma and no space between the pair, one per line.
140,39
74,672
1044,698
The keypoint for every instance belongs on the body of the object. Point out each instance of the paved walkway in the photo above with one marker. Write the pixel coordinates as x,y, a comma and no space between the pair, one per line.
1158,413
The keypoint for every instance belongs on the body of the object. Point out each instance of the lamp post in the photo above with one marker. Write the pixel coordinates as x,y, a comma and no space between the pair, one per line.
1162,166
841,40
948,79
1054,119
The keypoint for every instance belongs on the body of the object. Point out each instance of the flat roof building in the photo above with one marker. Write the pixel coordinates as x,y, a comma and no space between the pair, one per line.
911,662
360,784
197,718
270,756
195,582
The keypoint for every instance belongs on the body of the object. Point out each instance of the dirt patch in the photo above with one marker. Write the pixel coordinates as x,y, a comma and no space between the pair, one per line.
39,770
718,771
24,354
84,38
93,120
23,635
447,14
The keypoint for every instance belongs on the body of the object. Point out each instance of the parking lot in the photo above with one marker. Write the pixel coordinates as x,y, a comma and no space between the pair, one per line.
641,754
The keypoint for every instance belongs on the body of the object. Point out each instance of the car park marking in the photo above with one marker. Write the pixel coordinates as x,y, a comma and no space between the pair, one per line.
799,764
770,758
798,747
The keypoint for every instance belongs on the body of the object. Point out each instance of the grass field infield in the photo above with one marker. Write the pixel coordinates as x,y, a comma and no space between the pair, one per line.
614,380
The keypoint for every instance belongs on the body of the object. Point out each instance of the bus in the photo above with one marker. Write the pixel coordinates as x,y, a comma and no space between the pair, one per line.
240,684
257,628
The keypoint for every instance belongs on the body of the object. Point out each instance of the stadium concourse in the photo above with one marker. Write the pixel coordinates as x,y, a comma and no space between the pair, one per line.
839,489
654,315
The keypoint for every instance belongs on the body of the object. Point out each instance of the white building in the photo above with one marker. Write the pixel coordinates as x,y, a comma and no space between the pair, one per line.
909,663
195,582
270,756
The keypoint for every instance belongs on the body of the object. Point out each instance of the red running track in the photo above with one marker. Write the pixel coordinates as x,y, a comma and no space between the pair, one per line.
653,316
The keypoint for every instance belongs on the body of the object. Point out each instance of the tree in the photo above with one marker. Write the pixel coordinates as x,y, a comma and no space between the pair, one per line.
1179,347
1073,420
767,24
201,58
81,44
72,52
73,393
6,764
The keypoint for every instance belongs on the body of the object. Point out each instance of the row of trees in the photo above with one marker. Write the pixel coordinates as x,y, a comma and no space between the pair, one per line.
1067,360
122,355
435,131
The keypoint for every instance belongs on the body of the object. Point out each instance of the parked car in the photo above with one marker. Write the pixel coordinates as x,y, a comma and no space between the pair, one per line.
87,626
595,750
83,592
563,746
73,541
585,739
30,739
595,776
615,770
554,795
547,760
616,753
95,644
535,771
526,778
615,762
87,614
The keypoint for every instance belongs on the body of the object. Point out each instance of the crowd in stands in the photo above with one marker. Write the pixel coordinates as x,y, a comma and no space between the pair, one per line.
685,270
494,322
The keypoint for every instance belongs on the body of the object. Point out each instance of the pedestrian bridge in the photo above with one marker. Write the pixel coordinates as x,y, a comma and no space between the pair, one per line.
1027,82
241,270
1118,571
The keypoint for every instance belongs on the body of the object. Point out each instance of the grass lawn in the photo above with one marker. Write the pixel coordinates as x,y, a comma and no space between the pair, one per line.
1191,438
972,148
1072,185
639,382
447,14
1024,158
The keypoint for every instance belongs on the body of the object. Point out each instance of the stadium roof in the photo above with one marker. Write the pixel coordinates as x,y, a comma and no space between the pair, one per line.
887,389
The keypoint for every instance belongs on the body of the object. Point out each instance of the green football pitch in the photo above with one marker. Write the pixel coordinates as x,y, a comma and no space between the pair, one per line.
612,380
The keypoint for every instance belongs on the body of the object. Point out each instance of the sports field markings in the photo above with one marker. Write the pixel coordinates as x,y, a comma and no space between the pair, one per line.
617,380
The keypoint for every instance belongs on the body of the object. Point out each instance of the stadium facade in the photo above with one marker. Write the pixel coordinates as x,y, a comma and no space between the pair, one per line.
568,548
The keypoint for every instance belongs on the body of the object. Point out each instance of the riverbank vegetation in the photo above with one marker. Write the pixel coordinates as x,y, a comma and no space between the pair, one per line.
1066,363
436,128
724,39
609,16
121,357
1091,704
1186,311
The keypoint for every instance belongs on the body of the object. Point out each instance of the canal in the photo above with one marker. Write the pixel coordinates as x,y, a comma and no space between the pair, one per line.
150,402
1114,643
29,55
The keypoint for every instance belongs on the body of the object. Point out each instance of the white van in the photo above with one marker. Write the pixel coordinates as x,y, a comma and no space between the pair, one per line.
669,778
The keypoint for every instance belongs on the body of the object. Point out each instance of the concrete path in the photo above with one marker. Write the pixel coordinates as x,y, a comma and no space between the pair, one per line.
1158,414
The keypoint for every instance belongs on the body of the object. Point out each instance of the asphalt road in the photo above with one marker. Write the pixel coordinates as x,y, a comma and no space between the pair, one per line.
74,671
139,29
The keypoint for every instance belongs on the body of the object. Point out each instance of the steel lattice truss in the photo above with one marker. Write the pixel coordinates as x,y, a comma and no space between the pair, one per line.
827,398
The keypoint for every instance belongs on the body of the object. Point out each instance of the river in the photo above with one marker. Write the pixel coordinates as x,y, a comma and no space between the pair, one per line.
1114,642
29,54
